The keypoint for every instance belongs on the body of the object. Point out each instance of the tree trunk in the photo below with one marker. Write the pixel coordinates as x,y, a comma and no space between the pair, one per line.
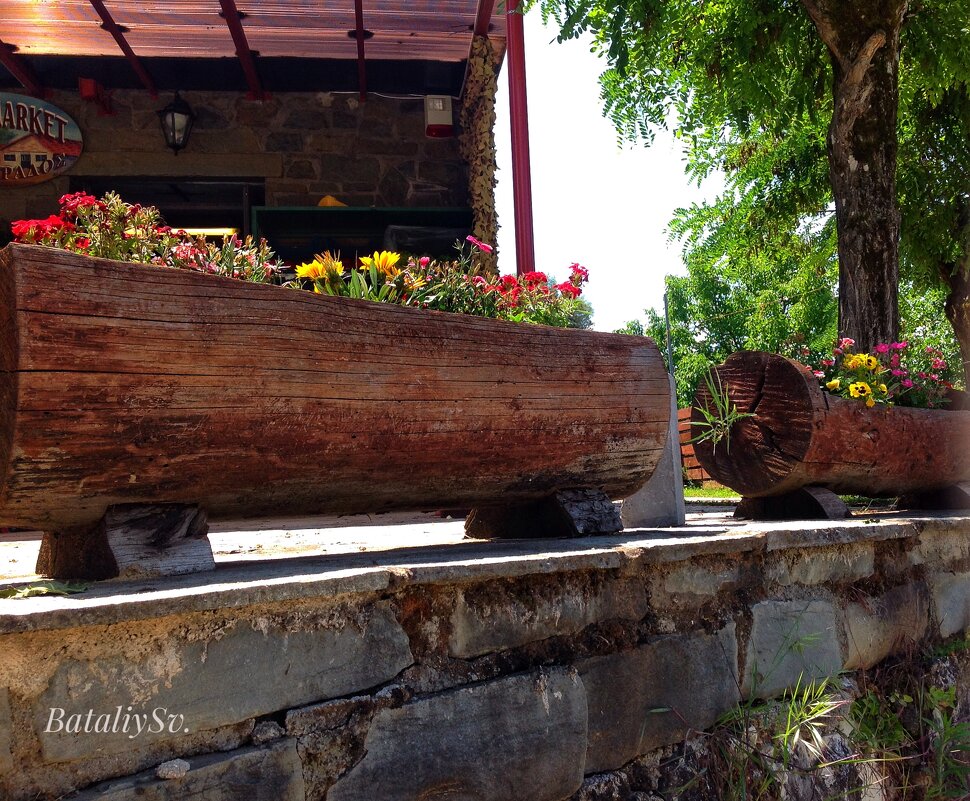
863,40
957,309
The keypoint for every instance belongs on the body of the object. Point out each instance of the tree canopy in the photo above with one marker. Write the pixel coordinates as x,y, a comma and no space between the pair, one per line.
759,89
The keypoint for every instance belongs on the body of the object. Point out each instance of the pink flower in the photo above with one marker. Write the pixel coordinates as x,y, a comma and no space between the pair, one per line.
899,345
818,373
845,342
894,360
906,382
424,261
882,347
899,373
479,244
938,364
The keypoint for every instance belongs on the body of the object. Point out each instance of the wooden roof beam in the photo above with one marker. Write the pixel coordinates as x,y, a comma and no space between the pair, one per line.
360,35
118,32
17,67
234,18
483,17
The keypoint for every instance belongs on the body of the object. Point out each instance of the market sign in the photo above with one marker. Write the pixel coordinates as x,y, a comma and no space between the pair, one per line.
37,140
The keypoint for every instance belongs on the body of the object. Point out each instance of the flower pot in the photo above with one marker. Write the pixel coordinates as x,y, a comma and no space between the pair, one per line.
132,384
801,436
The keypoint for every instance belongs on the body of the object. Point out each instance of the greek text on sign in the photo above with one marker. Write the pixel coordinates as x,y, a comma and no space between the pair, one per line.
37,140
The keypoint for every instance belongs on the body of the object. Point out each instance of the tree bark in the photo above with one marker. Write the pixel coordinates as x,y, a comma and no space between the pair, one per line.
863,39
957,309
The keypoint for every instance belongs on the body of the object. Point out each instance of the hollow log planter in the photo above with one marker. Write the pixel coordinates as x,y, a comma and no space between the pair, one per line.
125,386
801,438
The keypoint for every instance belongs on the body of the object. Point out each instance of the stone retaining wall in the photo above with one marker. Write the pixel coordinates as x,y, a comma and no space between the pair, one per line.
506,670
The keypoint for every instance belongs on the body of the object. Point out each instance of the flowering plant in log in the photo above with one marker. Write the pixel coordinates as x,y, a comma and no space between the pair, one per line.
464,285
893,373
110,228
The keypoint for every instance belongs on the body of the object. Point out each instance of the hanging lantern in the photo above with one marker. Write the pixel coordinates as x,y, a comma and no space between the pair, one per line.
176,120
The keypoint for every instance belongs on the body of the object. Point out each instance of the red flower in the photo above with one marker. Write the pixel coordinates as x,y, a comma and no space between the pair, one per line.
533,278
79,200
580,275
569,290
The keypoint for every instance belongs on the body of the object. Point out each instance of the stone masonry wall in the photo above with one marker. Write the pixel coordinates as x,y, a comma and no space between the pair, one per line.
535,671
305,145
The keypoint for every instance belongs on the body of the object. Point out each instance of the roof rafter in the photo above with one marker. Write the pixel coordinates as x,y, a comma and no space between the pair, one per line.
359,34
17,67
118,32
233,17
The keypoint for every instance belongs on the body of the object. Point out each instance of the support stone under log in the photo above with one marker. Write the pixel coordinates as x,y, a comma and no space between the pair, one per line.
954,498
567,513
131,541
805,503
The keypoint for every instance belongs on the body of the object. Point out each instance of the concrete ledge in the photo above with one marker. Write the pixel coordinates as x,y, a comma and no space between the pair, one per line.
243,583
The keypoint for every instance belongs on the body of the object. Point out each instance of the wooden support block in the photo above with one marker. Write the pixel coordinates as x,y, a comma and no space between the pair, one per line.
131,541
567,513
805,503
954,498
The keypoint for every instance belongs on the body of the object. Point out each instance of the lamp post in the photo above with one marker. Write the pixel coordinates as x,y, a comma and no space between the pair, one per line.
176,120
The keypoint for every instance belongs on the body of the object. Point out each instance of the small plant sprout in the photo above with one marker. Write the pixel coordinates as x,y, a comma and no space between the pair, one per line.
720,414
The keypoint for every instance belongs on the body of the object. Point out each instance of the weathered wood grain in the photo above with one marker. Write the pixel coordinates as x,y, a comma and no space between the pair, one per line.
801,436
133,384
131,541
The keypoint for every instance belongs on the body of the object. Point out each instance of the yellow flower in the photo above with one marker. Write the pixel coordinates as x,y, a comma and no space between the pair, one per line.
834,384
333,267
311,270
384,262
414,282
870,362
870,401
860,389
883,389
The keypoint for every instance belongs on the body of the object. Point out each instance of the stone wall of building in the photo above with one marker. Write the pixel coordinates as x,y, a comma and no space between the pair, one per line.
498,671
371,153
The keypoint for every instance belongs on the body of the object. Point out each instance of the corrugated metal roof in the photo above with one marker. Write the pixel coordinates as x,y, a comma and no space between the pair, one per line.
403,30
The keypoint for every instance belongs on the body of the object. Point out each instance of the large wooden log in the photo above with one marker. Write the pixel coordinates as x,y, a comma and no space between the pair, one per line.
126,384
801,436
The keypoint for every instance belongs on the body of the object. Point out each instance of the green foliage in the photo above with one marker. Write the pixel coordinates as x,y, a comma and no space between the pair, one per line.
747,86
720,414
43,588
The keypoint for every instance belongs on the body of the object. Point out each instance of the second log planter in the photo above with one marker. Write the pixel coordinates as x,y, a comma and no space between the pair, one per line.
800,436
126,386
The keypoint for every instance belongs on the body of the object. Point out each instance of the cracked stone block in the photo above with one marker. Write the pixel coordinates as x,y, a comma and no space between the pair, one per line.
880,627
820,566
272,773
197,686
951,601
940,548
497,624
790,642
6,732
646,698
506,740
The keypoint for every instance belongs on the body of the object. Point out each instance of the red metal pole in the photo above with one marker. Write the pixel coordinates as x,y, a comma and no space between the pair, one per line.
525,257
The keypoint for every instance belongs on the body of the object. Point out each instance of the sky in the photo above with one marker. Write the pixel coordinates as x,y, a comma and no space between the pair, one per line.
595,202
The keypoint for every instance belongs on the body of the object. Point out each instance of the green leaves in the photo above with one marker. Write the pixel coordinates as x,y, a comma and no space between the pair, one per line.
43,588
